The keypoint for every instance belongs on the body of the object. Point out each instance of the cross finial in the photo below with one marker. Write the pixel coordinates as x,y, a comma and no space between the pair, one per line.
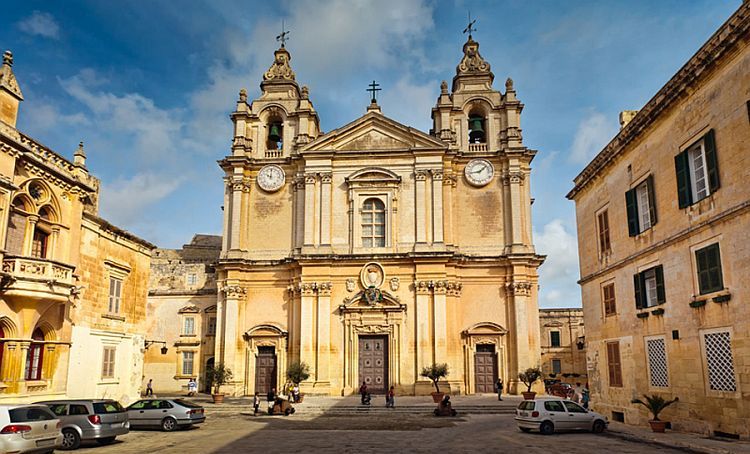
373,89
284,36
470,28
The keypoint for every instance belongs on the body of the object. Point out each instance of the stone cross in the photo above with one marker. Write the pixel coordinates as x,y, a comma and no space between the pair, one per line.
373,88
470,28
284,36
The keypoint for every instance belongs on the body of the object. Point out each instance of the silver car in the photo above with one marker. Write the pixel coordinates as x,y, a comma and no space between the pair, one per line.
167,414
551,414
101,420
28,429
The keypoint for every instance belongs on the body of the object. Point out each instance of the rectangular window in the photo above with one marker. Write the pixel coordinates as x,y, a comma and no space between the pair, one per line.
115,295
708,263
39,244
649,287
192,279
187,363
610,307
605,245
189,326
640,204
108,362
211,329
719,360
697,171
656,351
556,366
554,338
613,364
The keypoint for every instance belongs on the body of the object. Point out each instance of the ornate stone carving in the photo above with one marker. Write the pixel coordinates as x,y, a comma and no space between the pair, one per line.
310,179
7,79
395,283
443,88
324,288
509,84
423,287
305,92
437,175
307,288
351,284
243,95
440,287
234,291
372,275
420,175
454,288
514,178
280,69
521,288
472,62
326,178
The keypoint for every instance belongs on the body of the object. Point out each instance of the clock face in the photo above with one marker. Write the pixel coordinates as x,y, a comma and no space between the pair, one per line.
271,178
479,172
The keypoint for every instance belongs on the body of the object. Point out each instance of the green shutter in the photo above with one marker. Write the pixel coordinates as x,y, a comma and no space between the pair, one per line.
632,209
651,199
712,165
701,263
638,293
684,194
661,296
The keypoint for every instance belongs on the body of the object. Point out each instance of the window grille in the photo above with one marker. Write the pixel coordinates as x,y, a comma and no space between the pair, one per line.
657,363
720,362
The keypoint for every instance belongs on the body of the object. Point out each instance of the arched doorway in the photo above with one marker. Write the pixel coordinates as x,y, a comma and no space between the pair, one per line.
209,364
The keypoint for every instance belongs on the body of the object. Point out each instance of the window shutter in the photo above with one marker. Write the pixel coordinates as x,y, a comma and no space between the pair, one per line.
632,209
651,199
682,170
639,294
712,165
714,262
703,275
660,293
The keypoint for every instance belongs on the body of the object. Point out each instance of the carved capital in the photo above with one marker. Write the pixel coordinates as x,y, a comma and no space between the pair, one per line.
326,178
440,287
310,179
437,175
420,175
423,287
520,288
514,178
454,288
234,291
324,288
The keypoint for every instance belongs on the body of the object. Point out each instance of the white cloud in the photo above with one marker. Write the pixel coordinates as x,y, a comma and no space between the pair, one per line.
40,24
46,117
559,273
407,102
124,200
593,133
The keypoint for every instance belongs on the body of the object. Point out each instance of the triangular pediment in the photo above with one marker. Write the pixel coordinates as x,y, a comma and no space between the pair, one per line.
374,132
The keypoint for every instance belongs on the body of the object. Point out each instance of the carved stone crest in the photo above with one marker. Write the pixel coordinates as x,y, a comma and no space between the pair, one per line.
280,68
372,275
395,283
350,284
472,61
372,296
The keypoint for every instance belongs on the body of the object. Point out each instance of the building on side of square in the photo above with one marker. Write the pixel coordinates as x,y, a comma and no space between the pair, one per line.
182,314
664,284
73,286
563,344
374,250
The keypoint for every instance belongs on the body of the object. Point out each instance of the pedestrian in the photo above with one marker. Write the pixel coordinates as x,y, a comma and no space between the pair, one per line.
578,393
499,388
363,392
256,403
586,397
192,387
390,398
295,392
150,387
271,398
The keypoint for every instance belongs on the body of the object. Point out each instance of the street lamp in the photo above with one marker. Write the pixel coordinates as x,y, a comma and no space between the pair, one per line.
148,343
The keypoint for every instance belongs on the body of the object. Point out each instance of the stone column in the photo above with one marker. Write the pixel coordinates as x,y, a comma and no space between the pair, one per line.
52,251
437,206
322,379
306,330
233,294
519,293
309,219
299,209
29,235
236,214
423,353
515,179
325,208
227,209
439,322
419,206
20,372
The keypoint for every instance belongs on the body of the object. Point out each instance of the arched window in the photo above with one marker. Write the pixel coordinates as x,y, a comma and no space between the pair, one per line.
2,348
39,243
373,223
34,359
477,128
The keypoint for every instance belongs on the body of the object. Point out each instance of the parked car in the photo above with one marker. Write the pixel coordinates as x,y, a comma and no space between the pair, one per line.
28,429
548,414
101,420
168,414
564,390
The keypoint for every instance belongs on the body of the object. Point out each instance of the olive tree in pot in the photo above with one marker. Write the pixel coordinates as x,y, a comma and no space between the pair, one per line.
218,375
435,372
655,404
529,377
297,372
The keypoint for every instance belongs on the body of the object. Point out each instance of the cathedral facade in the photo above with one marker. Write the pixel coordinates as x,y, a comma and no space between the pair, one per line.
374,250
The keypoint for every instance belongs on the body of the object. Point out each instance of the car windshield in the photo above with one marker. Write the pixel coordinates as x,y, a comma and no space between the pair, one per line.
27,414
186,403
526,405
108,407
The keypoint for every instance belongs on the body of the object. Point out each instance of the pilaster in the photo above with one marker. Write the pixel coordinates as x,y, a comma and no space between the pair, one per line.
325,209
437,206
419,206
323,360
309,218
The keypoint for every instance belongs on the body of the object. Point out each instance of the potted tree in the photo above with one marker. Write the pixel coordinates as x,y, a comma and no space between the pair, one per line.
297,372
435,372
655,404
218,375
529,377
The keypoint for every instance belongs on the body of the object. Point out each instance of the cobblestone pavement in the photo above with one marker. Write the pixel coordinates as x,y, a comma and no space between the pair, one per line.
364,434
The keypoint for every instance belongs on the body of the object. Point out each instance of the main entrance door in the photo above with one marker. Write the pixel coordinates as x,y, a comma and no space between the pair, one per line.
485,369
265,369
373,362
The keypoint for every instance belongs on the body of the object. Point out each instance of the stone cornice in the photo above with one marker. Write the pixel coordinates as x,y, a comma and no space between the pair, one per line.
700,66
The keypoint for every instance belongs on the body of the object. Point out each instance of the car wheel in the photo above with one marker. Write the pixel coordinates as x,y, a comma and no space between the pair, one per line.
168,424
547,428
525,429
287,412
598,426
105,440
71,439
293,410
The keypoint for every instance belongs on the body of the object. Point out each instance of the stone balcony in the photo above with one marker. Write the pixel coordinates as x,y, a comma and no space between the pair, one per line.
478,147
35,278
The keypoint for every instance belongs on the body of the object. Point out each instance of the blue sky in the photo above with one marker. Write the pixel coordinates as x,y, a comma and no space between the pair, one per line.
148,85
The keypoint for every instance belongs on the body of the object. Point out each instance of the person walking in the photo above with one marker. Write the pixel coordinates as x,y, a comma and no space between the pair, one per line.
363,392
150,387
271,398
586,397
578,393
192,387
499,388
256,403
390,398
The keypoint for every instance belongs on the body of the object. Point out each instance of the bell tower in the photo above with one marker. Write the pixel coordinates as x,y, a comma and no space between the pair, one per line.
10,92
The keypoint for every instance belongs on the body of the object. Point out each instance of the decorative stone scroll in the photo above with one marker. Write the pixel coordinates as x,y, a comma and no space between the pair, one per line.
280,69
234,291
439,287
521,288
472,62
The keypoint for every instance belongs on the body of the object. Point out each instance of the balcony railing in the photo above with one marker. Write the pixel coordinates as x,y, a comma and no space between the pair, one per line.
274,153
477,147
30,269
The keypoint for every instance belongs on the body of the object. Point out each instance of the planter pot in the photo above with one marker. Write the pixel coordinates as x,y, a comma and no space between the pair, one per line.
658,426
218,398
528,395
437,397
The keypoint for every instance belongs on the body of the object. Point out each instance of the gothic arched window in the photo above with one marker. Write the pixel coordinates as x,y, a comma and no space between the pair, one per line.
373,223
34,359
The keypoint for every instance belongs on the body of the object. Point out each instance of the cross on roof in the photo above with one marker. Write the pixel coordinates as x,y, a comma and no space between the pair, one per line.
470,28
373,88
284,36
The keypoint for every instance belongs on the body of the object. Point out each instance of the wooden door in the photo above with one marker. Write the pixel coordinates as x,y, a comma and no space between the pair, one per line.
485,369
265,370
373,363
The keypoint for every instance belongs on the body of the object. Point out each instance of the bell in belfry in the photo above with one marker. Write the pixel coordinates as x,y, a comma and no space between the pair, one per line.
476,132
274,135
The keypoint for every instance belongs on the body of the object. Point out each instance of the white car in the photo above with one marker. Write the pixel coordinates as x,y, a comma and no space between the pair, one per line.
28,429
548,414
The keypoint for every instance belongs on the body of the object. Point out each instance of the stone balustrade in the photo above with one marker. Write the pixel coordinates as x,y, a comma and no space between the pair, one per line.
30,268
479,147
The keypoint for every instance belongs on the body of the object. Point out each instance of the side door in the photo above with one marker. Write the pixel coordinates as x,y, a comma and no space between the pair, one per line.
557,414
579,417
137,413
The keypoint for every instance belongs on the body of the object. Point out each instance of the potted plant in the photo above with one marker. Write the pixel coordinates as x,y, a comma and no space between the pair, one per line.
435,372
218,375
655,404
297,372
529,377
